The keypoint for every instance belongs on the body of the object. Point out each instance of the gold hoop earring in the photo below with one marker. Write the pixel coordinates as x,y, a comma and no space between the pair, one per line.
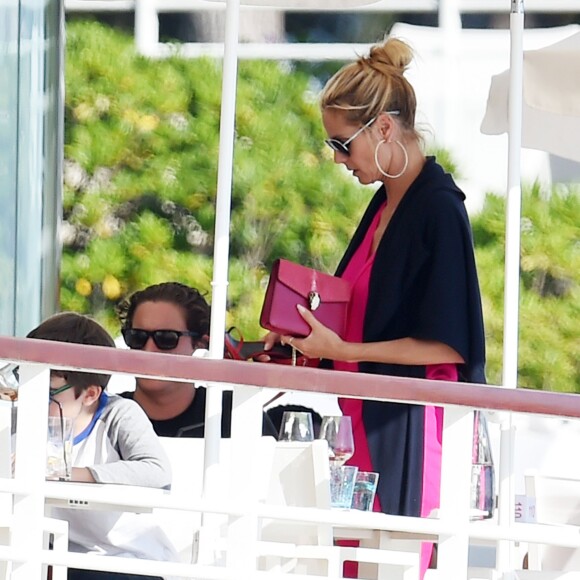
405,165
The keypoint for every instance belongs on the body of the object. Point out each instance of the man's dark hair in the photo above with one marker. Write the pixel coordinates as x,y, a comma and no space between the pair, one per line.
79,329
194,305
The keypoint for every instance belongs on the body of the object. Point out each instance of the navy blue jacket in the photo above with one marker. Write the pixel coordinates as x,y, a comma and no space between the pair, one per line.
423,285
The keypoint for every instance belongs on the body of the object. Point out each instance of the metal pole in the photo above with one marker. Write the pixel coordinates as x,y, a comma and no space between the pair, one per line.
512,272
514,199
222,237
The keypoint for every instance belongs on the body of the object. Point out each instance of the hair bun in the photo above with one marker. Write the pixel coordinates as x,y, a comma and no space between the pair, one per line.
393,53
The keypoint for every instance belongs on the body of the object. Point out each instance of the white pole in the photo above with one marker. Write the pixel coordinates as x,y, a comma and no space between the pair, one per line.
26,536
222,239
146,27
213,487
514,199
450,27
512,271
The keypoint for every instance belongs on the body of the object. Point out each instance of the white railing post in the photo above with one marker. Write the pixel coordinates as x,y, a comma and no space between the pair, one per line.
26,537
246,431
455,491
146,27
506,492
5,471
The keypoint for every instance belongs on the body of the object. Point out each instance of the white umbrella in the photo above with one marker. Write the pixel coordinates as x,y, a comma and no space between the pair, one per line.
551,100
537,102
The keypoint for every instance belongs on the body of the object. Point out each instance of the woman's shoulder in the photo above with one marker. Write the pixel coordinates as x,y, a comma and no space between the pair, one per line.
436,192
443,201
434,178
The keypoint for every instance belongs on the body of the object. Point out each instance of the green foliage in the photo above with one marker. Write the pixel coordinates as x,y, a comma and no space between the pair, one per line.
549,340
141,175
140,184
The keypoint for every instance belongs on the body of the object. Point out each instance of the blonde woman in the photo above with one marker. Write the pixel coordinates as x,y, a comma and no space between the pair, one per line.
416,307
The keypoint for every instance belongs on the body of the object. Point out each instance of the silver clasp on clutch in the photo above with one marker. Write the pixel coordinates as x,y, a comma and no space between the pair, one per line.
314,300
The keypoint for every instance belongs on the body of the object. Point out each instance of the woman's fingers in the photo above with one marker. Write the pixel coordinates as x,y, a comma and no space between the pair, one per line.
307,315
271,339
290,341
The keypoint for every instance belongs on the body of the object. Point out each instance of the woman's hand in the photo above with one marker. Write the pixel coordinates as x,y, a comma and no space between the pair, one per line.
320,343
324,343
270,340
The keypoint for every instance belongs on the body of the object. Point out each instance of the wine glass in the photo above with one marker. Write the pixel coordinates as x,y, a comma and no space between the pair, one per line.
296,426
337,430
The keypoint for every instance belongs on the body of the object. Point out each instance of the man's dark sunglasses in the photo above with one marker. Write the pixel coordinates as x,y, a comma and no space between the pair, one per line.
136,338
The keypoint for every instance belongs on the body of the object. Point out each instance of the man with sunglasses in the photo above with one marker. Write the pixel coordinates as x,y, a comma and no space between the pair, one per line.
113,443
172,318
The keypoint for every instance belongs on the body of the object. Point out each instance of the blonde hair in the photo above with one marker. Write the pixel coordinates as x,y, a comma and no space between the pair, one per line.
374,84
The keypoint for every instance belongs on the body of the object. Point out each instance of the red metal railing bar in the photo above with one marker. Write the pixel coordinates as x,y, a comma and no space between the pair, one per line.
283,377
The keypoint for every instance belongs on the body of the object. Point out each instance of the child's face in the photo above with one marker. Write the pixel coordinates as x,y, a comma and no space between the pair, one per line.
63,395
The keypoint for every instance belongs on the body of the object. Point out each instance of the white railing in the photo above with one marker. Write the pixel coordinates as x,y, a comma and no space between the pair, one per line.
452,528
388,6
147,23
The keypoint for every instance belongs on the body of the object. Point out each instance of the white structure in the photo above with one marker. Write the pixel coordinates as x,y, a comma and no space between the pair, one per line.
236,550
452,75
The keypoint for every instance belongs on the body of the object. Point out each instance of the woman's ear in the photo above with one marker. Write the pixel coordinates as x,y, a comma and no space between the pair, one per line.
387,126
91,394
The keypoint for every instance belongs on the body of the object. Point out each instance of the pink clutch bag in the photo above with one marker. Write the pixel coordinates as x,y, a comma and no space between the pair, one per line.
326,296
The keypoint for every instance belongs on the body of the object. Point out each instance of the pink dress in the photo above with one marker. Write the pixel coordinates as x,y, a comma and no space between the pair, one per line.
358,273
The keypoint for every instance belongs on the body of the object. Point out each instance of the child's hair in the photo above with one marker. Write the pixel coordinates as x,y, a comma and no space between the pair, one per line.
79,329
190,300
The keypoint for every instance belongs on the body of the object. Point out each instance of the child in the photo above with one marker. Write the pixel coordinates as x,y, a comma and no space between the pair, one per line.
113,443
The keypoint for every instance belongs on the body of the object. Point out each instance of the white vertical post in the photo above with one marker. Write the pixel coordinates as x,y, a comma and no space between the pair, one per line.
30,468
146,27
222,232
514,200
455,491
244,475
506,507
450,27
213,408
512,273
5,471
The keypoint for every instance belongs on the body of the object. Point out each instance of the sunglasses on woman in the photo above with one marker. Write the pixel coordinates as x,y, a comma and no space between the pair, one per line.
344,146
136,338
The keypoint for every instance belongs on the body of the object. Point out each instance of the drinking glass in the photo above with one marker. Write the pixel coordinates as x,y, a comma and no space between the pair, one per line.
59,448
337,430
365,488
342,480
482,471
296,426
